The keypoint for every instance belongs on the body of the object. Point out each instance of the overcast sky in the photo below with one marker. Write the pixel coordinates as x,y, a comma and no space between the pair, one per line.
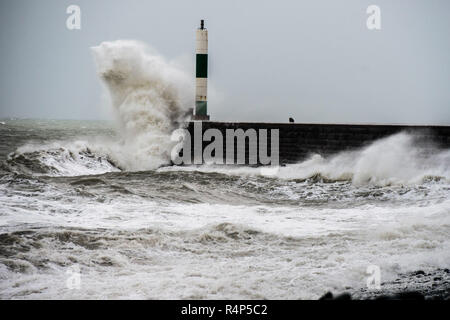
314,60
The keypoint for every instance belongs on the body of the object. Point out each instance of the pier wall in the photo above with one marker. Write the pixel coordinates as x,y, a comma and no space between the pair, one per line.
298,140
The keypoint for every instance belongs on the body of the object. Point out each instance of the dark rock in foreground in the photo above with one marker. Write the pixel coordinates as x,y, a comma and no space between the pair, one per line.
418,285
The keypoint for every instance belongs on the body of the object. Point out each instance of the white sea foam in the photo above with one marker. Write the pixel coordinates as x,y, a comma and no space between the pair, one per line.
146,250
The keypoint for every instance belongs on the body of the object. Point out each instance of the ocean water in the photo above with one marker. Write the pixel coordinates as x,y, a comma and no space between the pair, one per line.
93,210
206,231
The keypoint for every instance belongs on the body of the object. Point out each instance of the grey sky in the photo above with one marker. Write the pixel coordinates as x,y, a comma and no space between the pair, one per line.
313,60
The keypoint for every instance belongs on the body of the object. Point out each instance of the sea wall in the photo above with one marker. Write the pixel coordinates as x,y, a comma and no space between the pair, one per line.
298,140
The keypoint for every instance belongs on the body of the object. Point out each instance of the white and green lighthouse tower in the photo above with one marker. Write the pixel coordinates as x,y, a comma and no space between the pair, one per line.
201,87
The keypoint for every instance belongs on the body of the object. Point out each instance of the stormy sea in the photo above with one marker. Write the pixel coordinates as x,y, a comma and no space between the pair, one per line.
95,210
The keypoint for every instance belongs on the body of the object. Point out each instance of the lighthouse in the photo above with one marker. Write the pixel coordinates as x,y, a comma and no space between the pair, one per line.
201,69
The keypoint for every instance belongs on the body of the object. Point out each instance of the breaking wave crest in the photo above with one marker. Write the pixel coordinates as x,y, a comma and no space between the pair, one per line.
60,159
398,159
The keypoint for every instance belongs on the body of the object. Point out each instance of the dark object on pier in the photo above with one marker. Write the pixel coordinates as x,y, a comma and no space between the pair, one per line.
291,120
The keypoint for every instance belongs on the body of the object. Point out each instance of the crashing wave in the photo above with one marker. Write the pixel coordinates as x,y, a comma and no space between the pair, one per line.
149,97
58,159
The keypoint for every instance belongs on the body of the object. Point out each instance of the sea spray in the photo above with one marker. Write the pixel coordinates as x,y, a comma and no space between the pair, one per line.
397,159
149,96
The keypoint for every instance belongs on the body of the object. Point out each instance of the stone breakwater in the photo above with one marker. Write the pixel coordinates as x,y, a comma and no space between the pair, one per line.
298,140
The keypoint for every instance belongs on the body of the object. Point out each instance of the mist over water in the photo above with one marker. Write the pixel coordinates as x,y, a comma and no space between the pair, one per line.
102,197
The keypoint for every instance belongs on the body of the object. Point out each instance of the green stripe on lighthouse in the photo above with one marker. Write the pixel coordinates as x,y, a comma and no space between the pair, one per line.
202,66
200,108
